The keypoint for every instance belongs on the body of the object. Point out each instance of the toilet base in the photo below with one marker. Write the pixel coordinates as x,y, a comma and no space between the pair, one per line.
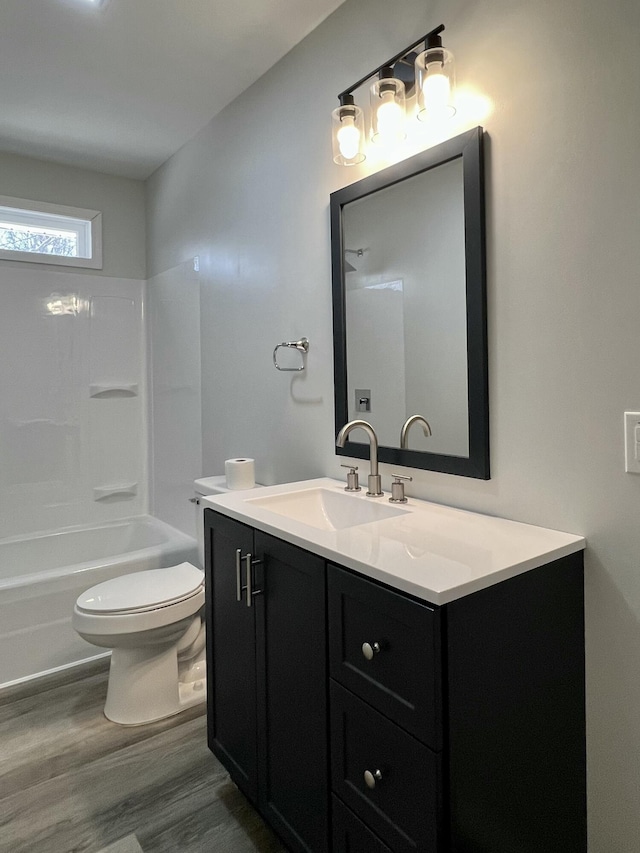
192,693
144,687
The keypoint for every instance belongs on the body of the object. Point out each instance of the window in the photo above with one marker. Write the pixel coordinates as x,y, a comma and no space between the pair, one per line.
44,233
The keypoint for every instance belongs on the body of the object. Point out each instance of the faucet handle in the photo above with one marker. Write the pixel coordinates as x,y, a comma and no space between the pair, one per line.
352,478
397,489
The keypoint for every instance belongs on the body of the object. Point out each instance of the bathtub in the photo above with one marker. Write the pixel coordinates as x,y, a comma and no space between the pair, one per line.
42,575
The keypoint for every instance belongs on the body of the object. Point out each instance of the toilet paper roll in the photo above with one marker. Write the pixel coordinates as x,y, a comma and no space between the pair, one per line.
240,473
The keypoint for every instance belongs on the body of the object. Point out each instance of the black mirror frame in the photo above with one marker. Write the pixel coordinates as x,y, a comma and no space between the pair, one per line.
468,146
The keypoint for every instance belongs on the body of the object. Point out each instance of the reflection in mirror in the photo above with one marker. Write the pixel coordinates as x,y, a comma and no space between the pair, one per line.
405,306
409,309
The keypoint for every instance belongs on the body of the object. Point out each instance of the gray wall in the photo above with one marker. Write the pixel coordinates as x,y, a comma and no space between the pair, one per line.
120,200
249,195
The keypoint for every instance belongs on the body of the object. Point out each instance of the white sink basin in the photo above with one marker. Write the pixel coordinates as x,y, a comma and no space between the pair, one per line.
434,552
327,510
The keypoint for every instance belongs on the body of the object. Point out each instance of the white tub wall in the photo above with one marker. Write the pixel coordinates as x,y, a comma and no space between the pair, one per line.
36,634
173,299
57,443
250,195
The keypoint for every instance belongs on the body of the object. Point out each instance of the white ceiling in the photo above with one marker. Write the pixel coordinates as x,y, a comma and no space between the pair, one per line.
118,89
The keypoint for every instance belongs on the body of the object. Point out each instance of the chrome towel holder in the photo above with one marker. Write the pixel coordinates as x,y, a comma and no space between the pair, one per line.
303,348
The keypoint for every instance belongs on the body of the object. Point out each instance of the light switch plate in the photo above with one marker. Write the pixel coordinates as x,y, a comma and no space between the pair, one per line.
632,442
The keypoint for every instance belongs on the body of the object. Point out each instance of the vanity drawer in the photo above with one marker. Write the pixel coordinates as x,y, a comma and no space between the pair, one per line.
402,678
400,799
350,835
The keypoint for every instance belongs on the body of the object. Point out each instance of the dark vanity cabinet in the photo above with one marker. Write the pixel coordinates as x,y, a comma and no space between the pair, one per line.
461,728
386,721
267,676
360,719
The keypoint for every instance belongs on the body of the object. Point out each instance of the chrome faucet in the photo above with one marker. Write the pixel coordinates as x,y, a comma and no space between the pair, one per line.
374,480
414,419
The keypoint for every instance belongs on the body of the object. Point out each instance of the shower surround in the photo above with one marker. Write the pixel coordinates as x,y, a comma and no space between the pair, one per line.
73,437
73,410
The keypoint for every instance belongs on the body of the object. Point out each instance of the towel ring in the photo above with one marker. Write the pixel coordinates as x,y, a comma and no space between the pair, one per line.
303,348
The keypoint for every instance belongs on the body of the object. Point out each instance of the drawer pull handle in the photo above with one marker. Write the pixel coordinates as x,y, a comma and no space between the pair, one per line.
371,778
369,650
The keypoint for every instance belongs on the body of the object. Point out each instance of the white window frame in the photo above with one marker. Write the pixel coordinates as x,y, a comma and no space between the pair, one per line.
87,223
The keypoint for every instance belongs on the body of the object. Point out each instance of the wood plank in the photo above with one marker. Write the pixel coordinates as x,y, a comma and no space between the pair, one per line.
45,735
73,781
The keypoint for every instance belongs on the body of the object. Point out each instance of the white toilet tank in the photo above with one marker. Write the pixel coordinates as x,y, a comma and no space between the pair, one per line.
207,486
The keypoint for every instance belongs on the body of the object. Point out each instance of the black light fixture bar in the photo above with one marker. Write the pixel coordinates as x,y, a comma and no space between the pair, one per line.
425,38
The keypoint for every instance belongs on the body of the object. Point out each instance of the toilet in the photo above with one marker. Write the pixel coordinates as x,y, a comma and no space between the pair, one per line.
153,621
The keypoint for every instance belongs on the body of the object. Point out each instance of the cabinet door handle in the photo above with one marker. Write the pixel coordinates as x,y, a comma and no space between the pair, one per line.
238,574
369,650
371,778
249,564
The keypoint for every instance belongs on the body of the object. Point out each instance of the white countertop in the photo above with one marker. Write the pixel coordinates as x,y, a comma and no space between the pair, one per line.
431,551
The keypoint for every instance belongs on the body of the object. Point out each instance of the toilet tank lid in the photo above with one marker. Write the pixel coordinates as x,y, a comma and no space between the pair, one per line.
213,485
142,590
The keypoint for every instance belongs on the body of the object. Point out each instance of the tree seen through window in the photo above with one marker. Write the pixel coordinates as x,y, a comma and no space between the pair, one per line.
44,241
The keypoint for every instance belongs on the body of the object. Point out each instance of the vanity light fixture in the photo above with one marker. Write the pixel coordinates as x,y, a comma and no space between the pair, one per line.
428,74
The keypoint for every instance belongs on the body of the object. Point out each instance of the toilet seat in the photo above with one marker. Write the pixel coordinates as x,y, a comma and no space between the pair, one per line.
140,592
139,602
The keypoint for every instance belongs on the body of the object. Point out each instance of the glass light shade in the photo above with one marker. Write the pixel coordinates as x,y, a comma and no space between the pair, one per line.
435,84
388,114
347,135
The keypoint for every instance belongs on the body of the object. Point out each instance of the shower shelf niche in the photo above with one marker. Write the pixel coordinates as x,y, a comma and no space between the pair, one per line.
117,491
113,389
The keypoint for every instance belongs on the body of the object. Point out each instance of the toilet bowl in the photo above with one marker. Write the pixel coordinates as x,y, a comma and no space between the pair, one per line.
153,622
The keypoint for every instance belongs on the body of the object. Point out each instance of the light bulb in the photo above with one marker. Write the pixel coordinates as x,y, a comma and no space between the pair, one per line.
390,117
387,101
348,138
436,88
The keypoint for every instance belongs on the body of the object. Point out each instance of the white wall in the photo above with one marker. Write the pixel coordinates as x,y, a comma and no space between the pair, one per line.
250,195
62,331
176,403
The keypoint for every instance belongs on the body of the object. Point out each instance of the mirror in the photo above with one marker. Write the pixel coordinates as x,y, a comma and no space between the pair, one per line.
409,309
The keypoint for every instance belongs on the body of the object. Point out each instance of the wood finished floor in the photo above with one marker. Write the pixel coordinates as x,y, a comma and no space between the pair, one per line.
72,782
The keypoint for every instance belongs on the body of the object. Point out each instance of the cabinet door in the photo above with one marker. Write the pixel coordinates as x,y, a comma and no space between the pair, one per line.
292,691
231,655
350,835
